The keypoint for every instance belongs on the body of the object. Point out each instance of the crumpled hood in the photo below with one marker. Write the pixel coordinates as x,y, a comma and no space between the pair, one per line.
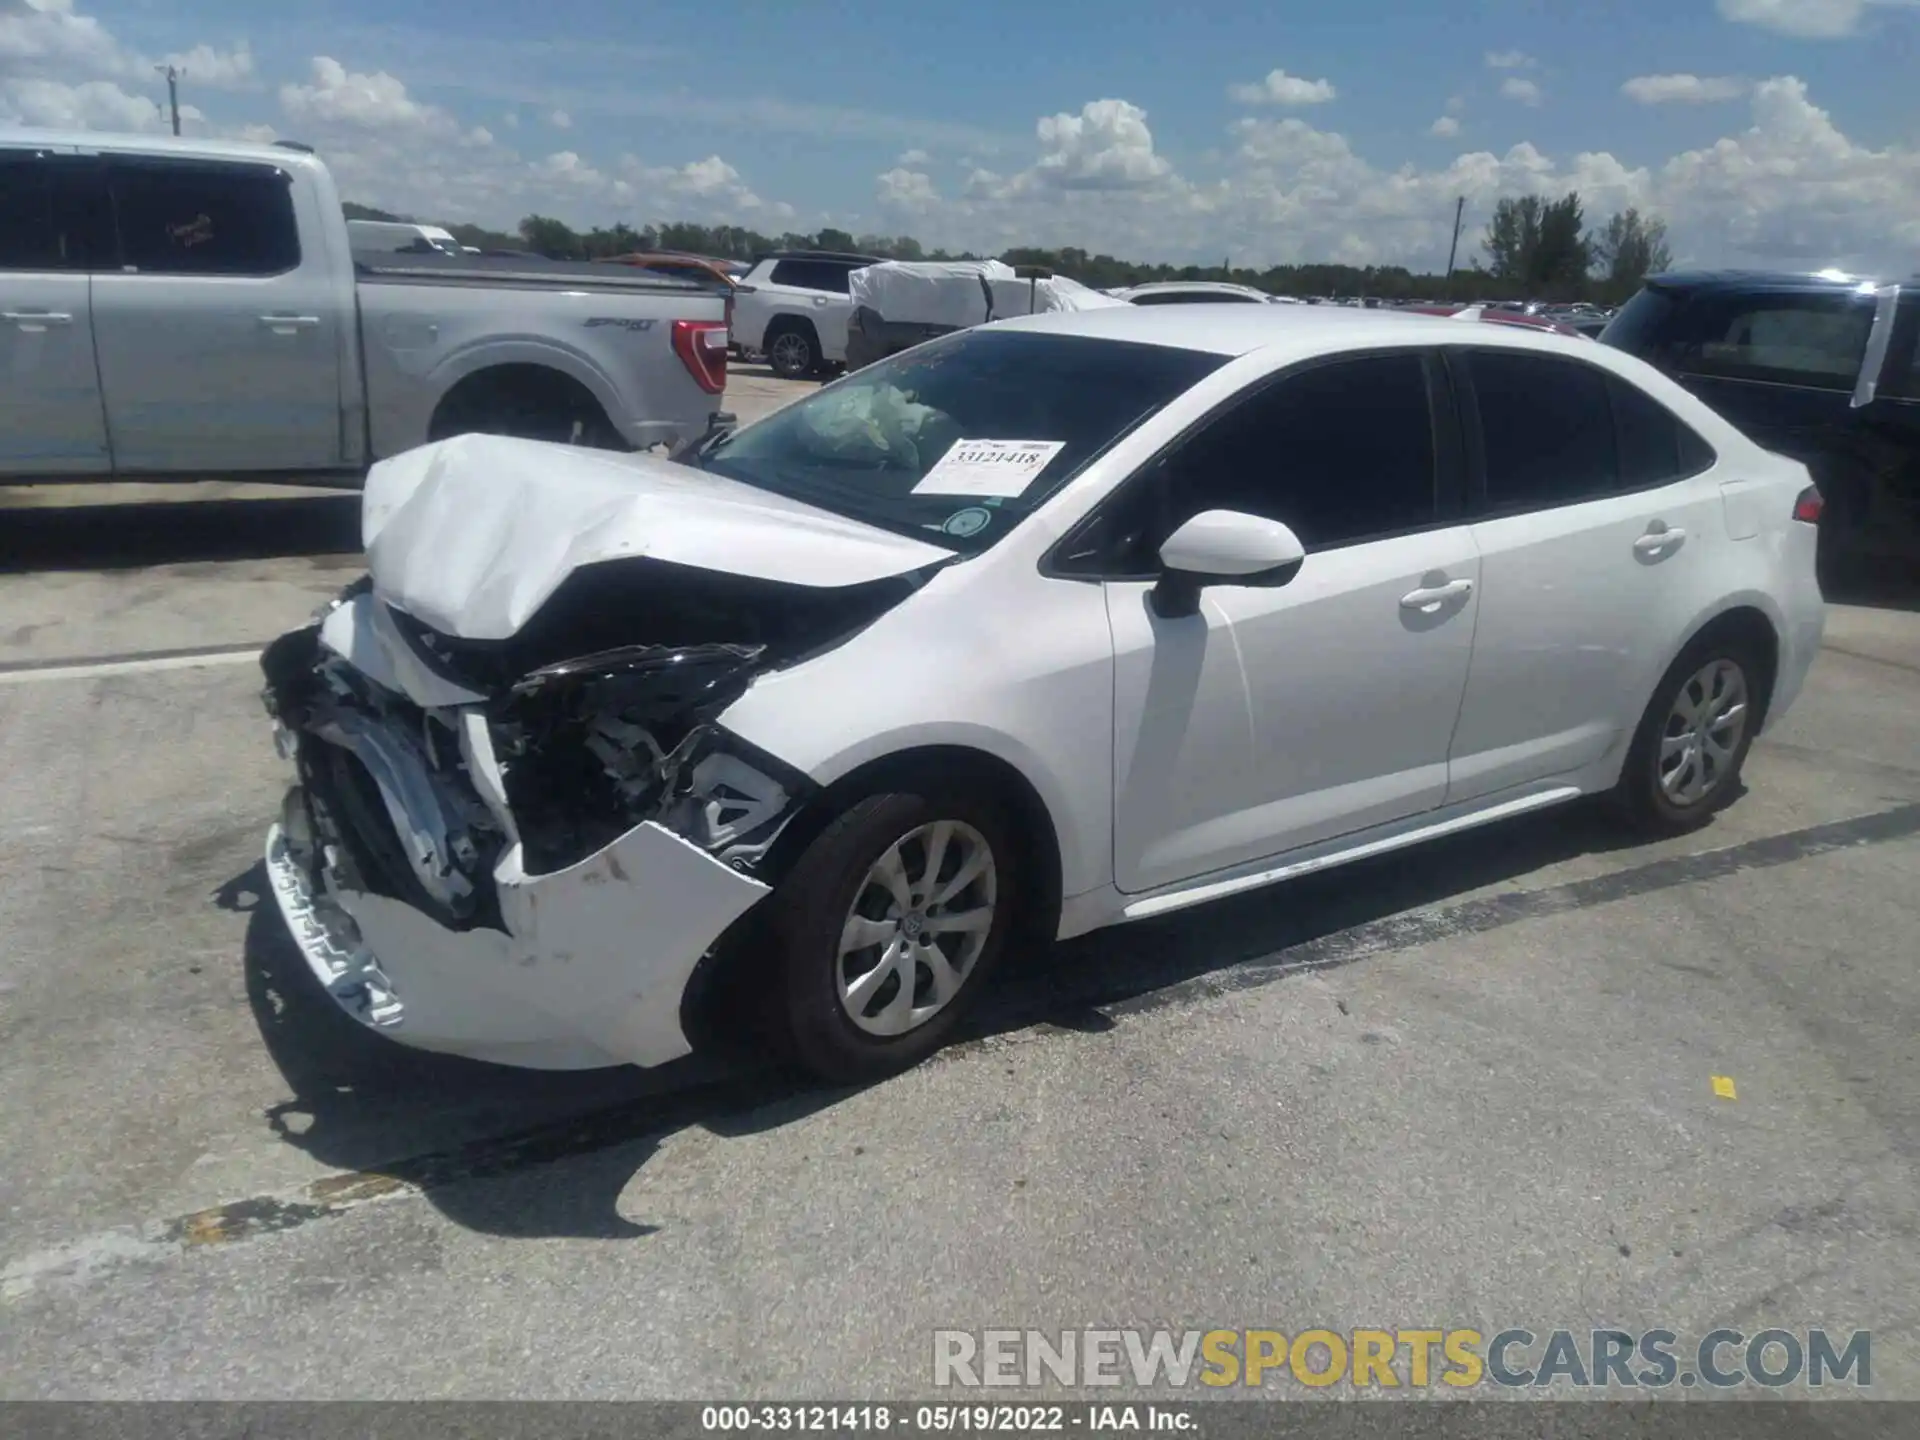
472,535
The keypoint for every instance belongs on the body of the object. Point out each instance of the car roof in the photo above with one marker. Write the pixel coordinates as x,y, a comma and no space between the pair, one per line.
21,137
1760,280
1307,330
1158,285
819,255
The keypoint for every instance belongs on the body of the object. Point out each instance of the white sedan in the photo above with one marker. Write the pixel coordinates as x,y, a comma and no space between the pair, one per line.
1041,627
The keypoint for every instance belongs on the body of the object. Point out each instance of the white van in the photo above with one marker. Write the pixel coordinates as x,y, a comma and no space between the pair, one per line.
402,237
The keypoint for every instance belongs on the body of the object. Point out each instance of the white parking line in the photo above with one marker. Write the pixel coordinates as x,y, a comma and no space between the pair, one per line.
33,672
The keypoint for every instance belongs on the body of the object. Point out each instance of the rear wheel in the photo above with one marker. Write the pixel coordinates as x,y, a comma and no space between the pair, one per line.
888,925
1685,760
792,351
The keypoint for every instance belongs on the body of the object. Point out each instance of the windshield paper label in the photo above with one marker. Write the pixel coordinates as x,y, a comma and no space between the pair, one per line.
989,467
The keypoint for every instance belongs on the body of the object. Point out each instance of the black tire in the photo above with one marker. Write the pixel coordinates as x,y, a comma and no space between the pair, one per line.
532,404
1639,797
793,350
811,907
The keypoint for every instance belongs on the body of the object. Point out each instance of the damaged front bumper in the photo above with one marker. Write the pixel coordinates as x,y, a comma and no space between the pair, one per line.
426,908
589,971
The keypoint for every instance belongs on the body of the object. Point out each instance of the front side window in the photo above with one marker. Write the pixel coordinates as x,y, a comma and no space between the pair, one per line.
1340,452
51,215
885,445
194,218
1546,429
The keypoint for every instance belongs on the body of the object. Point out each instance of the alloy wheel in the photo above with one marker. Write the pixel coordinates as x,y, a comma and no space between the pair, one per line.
916,928
1703,732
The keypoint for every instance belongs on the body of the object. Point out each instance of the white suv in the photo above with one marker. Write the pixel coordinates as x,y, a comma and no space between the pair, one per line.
793,307
1039,627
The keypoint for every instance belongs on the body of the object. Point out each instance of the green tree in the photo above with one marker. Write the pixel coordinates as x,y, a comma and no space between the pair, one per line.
552,238
1629,249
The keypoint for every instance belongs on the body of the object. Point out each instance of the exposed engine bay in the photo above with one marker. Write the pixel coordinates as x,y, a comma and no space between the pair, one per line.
560,739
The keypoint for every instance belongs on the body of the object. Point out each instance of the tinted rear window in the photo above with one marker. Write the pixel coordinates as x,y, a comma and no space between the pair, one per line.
825,275
1639,327
193,218
862,446
1546,427
1656,446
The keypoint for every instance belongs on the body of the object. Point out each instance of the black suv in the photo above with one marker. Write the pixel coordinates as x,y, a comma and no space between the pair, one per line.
1821,368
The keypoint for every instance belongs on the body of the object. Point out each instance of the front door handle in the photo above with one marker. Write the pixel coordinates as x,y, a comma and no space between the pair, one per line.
287,324
36,319
1660,541
1429,599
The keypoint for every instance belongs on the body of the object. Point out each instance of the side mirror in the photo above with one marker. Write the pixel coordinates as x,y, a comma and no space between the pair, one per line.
1223,547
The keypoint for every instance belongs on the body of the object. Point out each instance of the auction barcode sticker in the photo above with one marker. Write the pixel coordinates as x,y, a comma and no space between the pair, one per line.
988,467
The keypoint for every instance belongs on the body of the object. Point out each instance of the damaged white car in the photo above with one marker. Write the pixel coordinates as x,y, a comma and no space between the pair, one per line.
1034,628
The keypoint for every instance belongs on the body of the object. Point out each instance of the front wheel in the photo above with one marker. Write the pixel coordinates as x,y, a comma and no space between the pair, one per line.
887,927
1685,760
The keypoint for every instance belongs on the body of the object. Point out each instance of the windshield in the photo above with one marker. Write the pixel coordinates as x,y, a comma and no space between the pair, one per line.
1637,328
958,440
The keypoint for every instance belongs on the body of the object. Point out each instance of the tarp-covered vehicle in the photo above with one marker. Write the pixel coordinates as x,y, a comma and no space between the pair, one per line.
900,303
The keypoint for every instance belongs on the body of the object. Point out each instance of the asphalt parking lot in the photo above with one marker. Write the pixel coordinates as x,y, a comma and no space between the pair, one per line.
1468,1085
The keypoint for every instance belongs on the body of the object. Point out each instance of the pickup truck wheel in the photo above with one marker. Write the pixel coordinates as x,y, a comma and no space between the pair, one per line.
525,401
792,351
888,925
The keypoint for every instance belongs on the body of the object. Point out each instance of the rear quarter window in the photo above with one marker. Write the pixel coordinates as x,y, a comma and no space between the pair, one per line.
1813,340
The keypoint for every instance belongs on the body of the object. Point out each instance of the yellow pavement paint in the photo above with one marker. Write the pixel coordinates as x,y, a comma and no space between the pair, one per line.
1723,1087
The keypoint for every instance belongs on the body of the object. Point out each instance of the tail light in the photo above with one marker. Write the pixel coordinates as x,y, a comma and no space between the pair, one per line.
1808,505
702,348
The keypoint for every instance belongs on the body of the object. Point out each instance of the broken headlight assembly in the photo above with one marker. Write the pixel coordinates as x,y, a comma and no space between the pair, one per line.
592,746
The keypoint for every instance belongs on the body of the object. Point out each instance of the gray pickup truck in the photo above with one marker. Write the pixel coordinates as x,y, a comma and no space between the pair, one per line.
193,309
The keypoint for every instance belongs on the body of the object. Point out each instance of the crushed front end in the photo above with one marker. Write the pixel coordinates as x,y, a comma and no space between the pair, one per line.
519,851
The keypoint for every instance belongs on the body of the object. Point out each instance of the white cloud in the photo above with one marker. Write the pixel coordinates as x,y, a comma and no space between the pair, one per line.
1107,146
560,120
1790,189
372,101
1510,60
906,189
511,119
1456,104
913,157
1820,19
87,105
47,34
1446,126
1525,91
215,69
1683,89
1280,88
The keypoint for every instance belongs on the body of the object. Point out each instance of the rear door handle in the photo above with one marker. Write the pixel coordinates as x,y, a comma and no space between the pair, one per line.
287,324
36,319
1663,541
1429,599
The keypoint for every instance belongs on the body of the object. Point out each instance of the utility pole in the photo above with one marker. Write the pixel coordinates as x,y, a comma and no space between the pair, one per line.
173,74
1453,250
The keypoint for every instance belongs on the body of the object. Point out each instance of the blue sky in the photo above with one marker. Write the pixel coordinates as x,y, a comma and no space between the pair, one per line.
1764,130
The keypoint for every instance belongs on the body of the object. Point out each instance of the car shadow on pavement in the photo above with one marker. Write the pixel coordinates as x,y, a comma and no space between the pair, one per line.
119,537
472,1135
480,1140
